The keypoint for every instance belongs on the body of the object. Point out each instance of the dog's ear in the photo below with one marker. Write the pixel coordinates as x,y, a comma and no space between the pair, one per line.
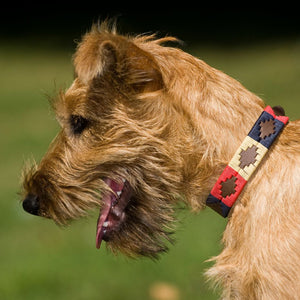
139,69
108,54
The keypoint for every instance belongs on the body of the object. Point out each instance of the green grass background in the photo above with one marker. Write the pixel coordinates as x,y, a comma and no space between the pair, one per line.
39,260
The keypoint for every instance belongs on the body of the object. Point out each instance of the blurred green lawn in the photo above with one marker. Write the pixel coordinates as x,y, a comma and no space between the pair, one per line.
41,261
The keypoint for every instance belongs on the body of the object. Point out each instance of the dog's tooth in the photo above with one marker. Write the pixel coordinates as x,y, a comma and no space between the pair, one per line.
124,180
105,224
117,212
119,193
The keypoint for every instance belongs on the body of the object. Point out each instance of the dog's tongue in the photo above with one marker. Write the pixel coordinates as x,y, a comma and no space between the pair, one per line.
104,211
108,200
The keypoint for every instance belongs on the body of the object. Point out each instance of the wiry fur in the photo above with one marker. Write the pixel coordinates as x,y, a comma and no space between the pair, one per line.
169,124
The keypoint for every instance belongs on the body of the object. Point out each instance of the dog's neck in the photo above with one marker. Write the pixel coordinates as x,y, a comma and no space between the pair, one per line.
221,113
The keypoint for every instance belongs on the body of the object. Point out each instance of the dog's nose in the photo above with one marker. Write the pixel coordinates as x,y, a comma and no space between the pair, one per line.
31,204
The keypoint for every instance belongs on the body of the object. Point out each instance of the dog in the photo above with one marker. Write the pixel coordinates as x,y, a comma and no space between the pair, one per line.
145,126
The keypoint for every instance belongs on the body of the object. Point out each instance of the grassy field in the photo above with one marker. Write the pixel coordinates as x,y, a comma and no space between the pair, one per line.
41,261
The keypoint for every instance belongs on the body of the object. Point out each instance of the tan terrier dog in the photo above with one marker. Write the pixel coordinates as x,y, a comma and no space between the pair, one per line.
144,126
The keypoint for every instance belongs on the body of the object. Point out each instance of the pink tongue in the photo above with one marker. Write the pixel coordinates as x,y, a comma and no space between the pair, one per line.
103,216
104,211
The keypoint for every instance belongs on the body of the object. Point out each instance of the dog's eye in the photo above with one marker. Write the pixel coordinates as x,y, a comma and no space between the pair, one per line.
78,124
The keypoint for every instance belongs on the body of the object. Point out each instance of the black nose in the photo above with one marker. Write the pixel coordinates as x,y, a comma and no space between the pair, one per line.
31,204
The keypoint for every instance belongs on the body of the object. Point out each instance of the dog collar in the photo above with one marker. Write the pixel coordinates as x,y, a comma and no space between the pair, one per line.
246,160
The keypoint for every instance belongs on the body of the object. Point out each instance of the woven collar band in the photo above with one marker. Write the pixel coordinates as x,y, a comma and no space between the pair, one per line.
246,159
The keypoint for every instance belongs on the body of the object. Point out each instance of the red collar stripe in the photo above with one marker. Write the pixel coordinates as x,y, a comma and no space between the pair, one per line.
245,161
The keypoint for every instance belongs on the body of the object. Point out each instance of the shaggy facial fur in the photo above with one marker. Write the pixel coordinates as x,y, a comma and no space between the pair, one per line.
144,126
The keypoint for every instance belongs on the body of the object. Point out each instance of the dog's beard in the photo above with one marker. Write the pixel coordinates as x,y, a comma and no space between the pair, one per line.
146,227
137,215
137,222
145,231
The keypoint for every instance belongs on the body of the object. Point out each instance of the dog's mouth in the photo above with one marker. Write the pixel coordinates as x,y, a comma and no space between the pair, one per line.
112,213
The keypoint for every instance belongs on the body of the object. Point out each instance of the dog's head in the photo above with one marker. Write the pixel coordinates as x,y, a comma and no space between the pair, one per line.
120,147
